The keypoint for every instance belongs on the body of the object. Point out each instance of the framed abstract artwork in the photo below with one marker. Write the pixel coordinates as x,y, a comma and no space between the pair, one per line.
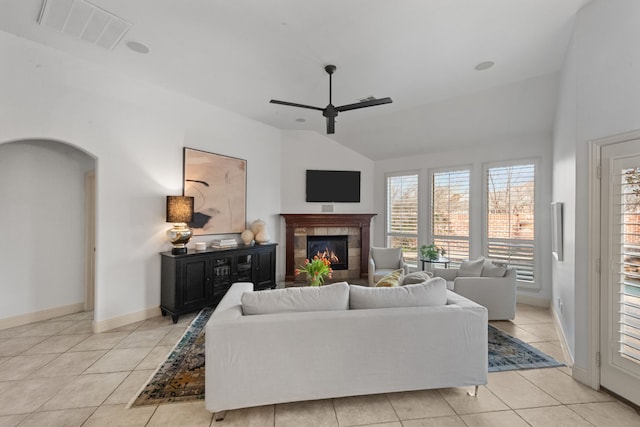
219,186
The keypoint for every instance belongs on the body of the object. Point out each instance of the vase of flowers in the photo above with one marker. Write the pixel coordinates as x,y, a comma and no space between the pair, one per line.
431,252
317,269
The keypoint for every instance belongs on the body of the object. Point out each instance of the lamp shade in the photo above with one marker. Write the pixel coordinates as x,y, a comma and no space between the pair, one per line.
179,209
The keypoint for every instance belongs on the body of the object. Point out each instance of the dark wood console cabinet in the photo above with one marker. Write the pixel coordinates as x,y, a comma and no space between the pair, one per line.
199,279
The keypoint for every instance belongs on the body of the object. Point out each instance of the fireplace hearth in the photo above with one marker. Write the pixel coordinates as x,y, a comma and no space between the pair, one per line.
334,248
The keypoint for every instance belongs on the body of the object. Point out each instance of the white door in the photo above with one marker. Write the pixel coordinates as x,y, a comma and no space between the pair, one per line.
620,270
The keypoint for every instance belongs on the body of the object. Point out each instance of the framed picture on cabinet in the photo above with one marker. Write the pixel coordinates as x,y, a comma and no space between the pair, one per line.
218,184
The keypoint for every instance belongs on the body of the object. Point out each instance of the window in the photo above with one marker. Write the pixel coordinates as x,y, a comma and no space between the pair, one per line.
402,215
510,217
450,213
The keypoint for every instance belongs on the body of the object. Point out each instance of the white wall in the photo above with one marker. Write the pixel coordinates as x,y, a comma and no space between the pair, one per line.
604,67
564,190
302,150
136,132
43,226
524,147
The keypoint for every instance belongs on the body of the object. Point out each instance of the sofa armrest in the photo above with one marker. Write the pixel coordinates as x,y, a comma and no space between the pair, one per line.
230,307
404,266
498,294
448,274
372,269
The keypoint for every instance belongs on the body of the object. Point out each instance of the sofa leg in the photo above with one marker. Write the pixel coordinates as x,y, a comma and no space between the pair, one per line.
473,393
219,416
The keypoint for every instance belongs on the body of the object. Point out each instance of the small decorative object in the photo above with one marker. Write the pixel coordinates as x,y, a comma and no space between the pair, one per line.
247,236
201,246
556,230
318,269
224,243
179,212
259,229
431,252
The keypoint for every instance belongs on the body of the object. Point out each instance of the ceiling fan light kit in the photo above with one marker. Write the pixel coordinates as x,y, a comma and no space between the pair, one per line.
331,111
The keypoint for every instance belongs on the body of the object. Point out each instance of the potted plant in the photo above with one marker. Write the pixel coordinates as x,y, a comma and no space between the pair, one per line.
431,252
317,270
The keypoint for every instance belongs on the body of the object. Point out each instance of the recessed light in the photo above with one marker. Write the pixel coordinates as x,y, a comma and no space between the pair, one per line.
484,65
301,120
137,46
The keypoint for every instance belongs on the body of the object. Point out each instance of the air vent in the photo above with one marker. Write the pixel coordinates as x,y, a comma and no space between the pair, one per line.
82,20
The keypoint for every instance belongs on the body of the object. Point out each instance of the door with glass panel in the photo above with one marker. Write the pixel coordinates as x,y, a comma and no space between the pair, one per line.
620,269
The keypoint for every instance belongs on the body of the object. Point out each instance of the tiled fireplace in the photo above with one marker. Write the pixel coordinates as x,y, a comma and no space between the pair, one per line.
335,248
304,228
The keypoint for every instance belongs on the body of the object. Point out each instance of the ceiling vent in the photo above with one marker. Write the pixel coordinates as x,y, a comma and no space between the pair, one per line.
84,21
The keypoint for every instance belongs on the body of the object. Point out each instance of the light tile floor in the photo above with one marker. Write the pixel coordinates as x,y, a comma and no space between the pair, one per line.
58,373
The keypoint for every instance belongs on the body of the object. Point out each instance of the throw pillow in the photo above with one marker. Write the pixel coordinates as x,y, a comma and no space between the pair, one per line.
471,268
306,298
416,277
392,279
491,269
430,293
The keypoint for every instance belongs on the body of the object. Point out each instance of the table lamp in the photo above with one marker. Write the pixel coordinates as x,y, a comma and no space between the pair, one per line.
179,212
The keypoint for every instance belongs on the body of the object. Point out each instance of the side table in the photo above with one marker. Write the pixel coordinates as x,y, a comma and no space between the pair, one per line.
440,260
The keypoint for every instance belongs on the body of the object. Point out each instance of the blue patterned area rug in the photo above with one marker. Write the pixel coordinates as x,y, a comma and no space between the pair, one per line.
180,378
507,353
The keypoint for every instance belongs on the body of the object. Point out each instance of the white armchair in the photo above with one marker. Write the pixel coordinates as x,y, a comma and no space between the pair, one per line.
383,261
497,294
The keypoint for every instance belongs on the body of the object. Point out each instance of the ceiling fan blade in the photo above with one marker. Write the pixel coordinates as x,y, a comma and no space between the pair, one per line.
293,104
331,125
364,104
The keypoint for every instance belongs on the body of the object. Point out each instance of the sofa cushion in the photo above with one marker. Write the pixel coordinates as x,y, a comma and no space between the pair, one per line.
306,298
392,279
416,277
491,269
430,293
471,268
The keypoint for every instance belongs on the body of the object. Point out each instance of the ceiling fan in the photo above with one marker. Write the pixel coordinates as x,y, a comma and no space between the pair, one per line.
330,111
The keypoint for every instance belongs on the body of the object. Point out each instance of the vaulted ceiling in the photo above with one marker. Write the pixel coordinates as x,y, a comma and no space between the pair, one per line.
239,54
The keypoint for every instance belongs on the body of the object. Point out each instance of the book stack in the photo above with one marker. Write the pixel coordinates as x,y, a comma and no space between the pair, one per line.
224,243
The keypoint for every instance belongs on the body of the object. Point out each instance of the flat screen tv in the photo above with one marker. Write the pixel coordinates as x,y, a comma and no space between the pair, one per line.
333,186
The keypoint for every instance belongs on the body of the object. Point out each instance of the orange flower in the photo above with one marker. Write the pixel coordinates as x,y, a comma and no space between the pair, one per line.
317,269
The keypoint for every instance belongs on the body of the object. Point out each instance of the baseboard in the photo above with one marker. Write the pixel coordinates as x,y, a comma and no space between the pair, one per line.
563,339
39,316
116,322
536,301
582,375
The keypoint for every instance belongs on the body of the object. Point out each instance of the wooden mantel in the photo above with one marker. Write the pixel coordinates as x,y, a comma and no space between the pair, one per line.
293,221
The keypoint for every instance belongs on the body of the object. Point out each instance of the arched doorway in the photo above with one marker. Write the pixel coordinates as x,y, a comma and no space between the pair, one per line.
44,193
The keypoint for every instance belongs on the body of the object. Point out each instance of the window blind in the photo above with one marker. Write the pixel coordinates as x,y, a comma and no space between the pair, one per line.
510,217
450,213
628,225
402,215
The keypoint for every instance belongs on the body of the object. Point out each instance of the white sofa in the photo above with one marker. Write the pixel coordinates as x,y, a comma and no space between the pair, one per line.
497,294
262,359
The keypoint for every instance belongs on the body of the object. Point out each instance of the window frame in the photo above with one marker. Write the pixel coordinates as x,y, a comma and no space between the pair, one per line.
537,215
388,175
